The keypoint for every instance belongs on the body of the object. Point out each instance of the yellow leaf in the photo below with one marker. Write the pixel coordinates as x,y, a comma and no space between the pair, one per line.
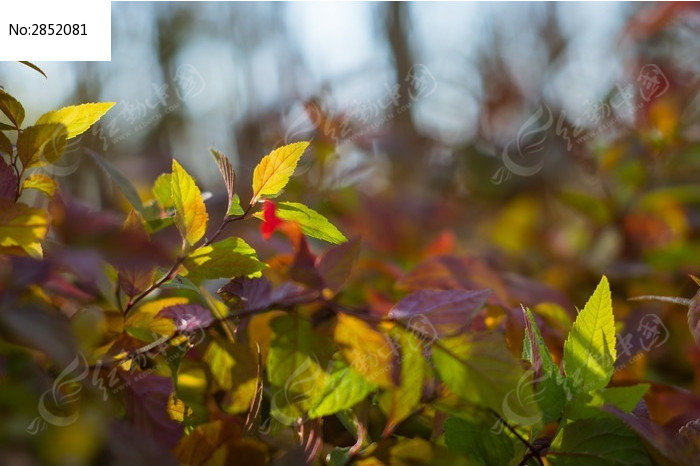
190,213
76,118
177,410
22,226
143,323
43,143
274,170
43,183
11,108
370,353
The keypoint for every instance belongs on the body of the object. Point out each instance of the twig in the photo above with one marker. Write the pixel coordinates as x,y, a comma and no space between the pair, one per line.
172,272
664,299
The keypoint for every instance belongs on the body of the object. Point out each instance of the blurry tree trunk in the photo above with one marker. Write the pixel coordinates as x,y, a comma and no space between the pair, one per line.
398,41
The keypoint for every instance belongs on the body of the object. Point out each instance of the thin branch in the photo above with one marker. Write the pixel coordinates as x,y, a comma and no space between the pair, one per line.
663,299
535,452
173,270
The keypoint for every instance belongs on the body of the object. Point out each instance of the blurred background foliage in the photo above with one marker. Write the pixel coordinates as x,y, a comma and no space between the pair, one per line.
410,109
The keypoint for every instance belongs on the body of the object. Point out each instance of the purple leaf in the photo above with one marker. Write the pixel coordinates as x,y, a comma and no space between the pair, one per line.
673,448
254,293
187,317
449,311
257,293
8,181
336,264
146,397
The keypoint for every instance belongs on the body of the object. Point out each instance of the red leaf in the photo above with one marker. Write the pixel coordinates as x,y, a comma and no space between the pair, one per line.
270,220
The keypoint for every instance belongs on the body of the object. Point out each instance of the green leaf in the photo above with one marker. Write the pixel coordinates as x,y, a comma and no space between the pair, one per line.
480,369
22,227
163,192
12,109
234,368
344,389
122,181
76,118
39,144
399,403
5,144
589,406
369,352
234,208
597,442
295,366
478,441
589,350
550,384
272,174
190,213
228,258
311,222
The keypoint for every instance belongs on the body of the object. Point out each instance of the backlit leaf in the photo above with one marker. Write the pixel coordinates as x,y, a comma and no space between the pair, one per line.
369,352
11,108
296,365
589,350
22,226
234,369
344,389
400,402
272,173
311,222
480,369
40,144
190,213
162,191
76,118
589,406
43,183
228,258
